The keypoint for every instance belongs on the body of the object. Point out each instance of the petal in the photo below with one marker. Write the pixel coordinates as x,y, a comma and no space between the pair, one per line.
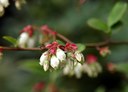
54,62
46,65
31,42
43,58
66,70
78,70
78,56
23,39
5,3
60,54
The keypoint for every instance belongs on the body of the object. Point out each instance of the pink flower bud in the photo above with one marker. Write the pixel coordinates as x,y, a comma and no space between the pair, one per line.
90,58
29,29
104,51
70,47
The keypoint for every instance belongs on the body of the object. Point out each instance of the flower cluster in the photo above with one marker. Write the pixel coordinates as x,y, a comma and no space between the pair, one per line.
26,38
60,56
91,67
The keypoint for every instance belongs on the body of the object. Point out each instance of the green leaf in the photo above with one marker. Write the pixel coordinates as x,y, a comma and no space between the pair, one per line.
10,39
117,13
98,24
60,42
122,67
81,47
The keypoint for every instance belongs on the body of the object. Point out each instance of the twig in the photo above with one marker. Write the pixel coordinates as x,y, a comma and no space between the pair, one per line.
21,49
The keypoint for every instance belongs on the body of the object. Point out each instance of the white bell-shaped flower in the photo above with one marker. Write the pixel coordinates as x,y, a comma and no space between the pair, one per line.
60,54
79,56
46,65
78,69
31,42
54,62
4,3
23,39
43,58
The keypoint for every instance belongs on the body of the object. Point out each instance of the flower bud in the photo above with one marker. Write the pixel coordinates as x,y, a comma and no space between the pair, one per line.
18,3
46,65
60,54
31,42
54,62
43,58
104,51
90,58
23,39
4,3
79,56
78,70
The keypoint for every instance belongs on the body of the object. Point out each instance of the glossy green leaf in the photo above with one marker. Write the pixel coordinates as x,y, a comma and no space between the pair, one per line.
81,47
60,42
98,24
10,39
117,13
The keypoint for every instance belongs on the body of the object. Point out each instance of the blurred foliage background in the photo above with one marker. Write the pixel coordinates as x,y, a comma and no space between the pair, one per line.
69,18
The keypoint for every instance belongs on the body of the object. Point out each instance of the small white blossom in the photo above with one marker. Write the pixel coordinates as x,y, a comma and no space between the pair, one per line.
60,54
54,62
78,69
18,3
46,65
79,56
43,58
68,69
4,3
23,39
31,42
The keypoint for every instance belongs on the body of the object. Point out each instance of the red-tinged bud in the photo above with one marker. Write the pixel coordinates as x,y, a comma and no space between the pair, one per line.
53,50
46,30
104,51
29,29
52,47
90,58
70,47
39,87
111,67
